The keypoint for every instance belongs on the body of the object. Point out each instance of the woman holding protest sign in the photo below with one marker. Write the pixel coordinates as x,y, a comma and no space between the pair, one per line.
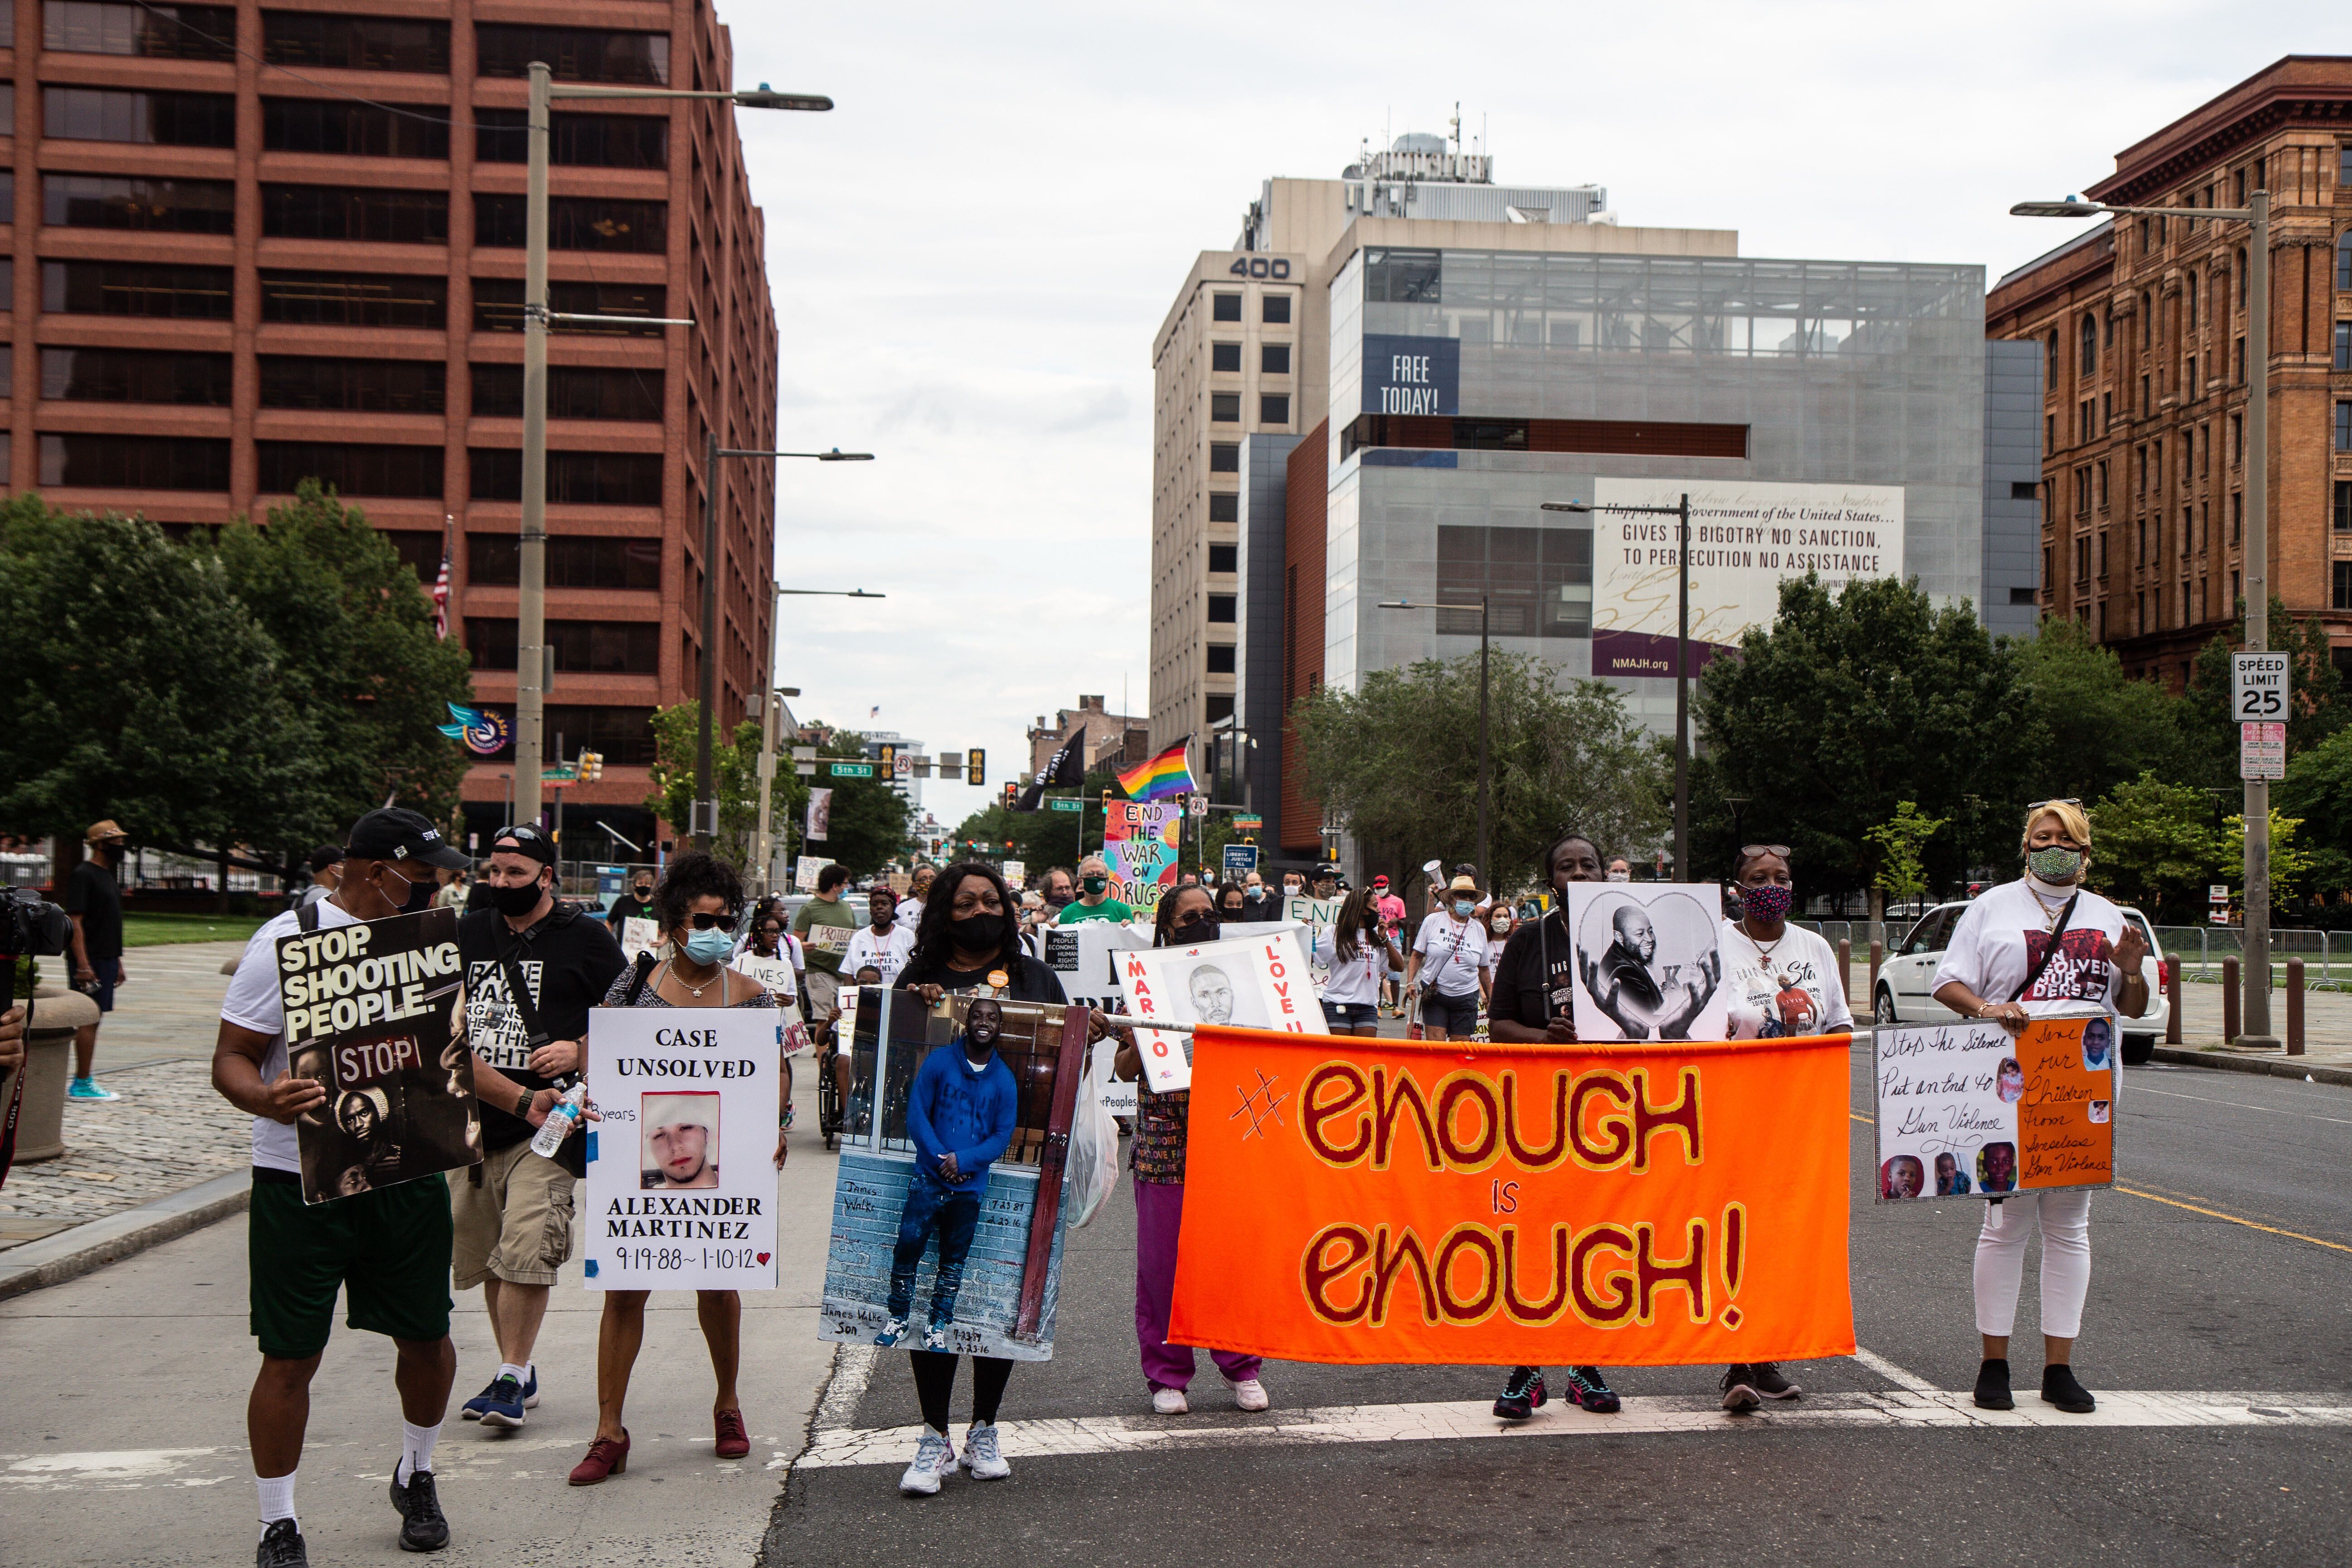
1362,959
1782,980
699,901
2041,944
1529,1006
1186,919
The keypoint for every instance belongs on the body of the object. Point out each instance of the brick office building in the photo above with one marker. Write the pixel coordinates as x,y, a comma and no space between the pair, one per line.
2143,326
252,245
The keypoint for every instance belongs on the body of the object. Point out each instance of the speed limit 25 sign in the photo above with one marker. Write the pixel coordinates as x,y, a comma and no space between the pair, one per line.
2258,687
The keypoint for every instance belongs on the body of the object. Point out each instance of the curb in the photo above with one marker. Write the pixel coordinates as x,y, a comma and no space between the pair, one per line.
69,1254
2266,1067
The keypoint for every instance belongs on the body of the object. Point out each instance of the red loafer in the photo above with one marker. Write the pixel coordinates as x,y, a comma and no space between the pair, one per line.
733,1441
606,1457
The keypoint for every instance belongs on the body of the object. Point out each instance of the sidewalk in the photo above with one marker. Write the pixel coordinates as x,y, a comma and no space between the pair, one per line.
168,1131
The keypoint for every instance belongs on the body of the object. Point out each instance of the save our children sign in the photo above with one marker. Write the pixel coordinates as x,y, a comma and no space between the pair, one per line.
1613,1204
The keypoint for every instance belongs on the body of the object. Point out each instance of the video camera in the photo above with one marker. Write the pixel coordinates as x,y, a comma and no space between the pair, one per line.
30,927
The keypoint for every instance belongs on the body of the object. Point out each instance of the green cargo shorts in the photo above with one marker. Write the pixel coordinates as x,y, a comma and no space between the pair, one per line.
389,1250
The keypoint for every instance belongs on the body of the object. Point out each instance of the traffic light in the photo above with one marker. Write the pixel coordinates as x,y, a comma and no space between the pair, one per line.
975,767
887,754
592,766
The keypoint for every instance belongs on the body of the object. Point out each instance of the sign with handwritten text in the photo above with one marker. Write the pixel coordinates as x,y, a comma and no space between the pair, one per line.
1971,1111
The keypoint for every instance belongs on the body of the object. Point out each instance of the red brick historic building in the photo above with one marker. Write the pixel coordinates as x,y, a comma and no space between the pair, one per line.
2142,325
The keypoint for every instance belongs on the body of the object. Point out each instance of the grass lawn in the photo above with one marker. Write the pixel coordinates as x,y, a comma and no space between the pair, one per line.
156,931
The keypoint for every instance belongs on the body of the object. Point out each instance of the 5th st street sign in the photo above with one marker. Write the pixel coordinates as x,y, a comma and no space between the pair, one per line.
852,770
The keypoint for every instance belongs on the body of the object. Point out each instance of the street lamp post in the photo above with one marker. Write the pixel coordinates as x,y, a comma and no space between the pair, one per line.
705,793
767,856
2255,980
534,661
1481,607
1681,513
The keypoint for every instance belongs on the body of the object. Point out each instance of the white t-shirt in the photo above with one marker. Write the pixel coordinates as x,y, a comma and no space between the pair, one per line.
775,974
1358,980
253,1003
1452,953
2003,932
886,954
1756,984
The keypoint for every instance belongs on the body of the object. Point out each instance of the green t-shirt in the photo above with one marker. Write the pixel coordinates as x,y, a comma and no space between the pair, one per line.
824,929
1108,909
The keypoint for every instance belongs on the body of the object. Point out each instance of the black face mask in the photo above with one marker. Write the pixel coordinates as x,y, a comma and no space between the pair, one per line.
516,902
1057,900
1195,932
980,933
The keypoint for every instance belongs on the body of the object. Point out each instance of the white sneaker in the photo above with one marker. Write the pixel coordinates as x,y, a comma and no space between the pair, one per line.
934,1459
981,1456
1249,1393
1168,1401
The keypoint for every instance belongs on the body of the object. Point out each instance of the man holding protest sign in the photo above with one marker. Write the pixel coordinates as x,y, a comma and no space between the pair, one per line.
886,943
534,965
387,1247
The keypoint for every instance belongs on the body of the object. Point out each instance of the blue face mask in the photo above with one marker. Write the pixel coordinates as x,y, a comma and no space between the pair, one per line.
712,946
1464,908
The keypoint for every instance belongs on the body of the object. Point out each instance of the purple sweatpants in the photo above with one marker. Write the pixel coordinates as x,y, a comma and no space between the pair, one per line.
1159,1214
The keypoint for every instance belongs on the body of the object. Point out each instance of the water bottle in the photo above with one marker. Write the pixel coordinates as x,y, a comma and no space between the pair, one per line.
561,1119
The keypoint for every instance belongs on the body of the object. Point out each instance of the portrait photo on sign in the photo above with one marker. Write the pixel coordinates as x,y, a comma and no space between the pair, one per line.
2098,1045
678,1131
1997,1168
1901,1177
395,1110
1648,966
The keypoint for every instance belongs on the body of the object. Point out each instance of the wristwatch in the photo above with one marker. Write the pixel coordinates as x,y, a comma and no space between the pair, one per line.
522,1103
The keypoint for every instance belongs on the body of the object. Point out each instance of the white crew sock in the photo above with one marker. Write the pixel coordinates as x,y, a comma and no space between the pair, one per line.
277,1497
509,1369
416,1449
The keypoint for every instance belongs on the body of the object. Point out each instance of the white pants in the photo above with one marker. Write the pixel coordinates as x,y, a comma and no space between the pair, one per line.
2065,1261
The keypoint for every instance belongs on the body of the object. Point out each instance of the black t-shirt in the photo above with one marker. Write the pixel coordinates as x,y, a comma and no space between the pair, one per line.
1030,981
628,906
91,893
1520,983
568,961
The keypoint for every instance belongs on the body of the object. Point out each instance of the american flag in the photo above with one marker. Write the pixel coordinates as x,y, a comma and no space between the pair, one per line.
873,712
441,596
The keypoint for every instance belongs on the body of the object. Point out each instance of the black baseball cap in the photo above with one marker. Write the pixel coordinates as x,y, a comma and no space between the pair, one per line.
326,855
524,840
397,835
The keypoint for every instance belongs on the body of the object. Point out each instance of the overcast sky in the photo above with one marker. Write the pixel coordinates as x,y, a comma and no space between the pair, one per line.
970,255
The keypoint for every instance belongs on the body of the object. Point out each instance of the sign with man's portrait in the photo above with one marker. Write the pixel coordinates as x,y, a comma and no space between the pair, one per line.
1259,982
1647,961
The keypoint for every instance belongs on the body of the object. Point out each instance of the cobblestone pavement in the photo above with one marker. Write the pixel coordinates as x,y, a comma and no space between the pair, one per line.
169,1131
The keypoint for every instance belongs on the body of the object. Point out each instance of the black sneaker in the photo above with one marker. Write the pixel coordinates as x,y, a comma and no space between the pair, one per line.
281,1547
1992,1386
1764,1377
422,1526
2059,1388
1592,1390
1739,1394
1523,1394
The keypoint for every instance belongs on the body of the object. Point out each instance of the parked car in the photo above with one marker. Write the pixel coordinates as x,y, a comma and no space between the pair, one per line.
1906,979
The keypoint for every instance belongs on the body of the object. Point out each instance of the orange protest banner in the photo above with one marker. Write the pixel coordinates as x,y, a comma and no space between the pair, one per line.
1396,1201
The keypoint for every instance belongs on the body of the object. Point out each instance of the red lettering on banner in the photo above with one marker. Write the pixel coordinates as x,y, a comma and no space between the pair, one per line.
1650,1272
1314,1111
1388,1100
1388,1265
1457,1093
1542,1159
1316,1275
1682,1116
1549,1309
1590,1085
1469,1238
1593,1309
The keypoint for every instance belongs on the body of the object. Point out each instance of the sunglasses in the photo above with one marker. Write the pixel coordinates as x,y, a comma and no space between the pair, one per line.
2069,800
1779,850
705,921
516,830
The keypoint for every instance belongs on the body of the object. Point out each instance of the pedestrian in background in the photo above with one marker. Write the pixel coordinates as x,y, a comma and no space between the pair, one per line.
326,865
1094,902
94,899
454,891
1448,967
636,904
1362,959
2036,945
1186,919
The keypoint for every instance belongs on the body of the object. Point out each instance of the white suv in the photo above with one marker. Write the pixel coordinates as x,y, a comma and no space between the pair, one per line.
1906,979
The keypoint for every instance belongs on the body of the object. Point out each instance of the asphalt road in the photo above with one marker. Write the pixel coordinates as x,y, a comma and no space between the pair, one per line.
2184,1303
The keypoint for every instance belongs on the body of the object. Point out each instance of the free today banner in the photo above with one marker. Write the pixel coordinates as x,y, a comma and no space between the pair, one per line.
1623,1206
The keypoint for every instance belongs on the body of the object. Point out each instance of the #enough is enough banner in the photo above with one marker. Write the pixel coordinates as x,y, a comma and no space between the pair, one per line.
1622,1204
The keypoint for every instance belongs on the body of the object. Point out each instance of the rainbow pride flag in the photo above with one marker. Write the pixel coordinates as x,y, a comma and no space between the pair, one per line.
1158,778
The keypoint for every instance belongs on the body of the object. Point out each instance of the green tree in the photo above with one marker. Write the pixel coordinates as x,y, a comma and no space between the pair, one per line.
1898,841
734,778
1046,837
1846,705
870,823
1397,761
2316,705
2318,790
2290,862
143,690
357,655
2090,726
2154,845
